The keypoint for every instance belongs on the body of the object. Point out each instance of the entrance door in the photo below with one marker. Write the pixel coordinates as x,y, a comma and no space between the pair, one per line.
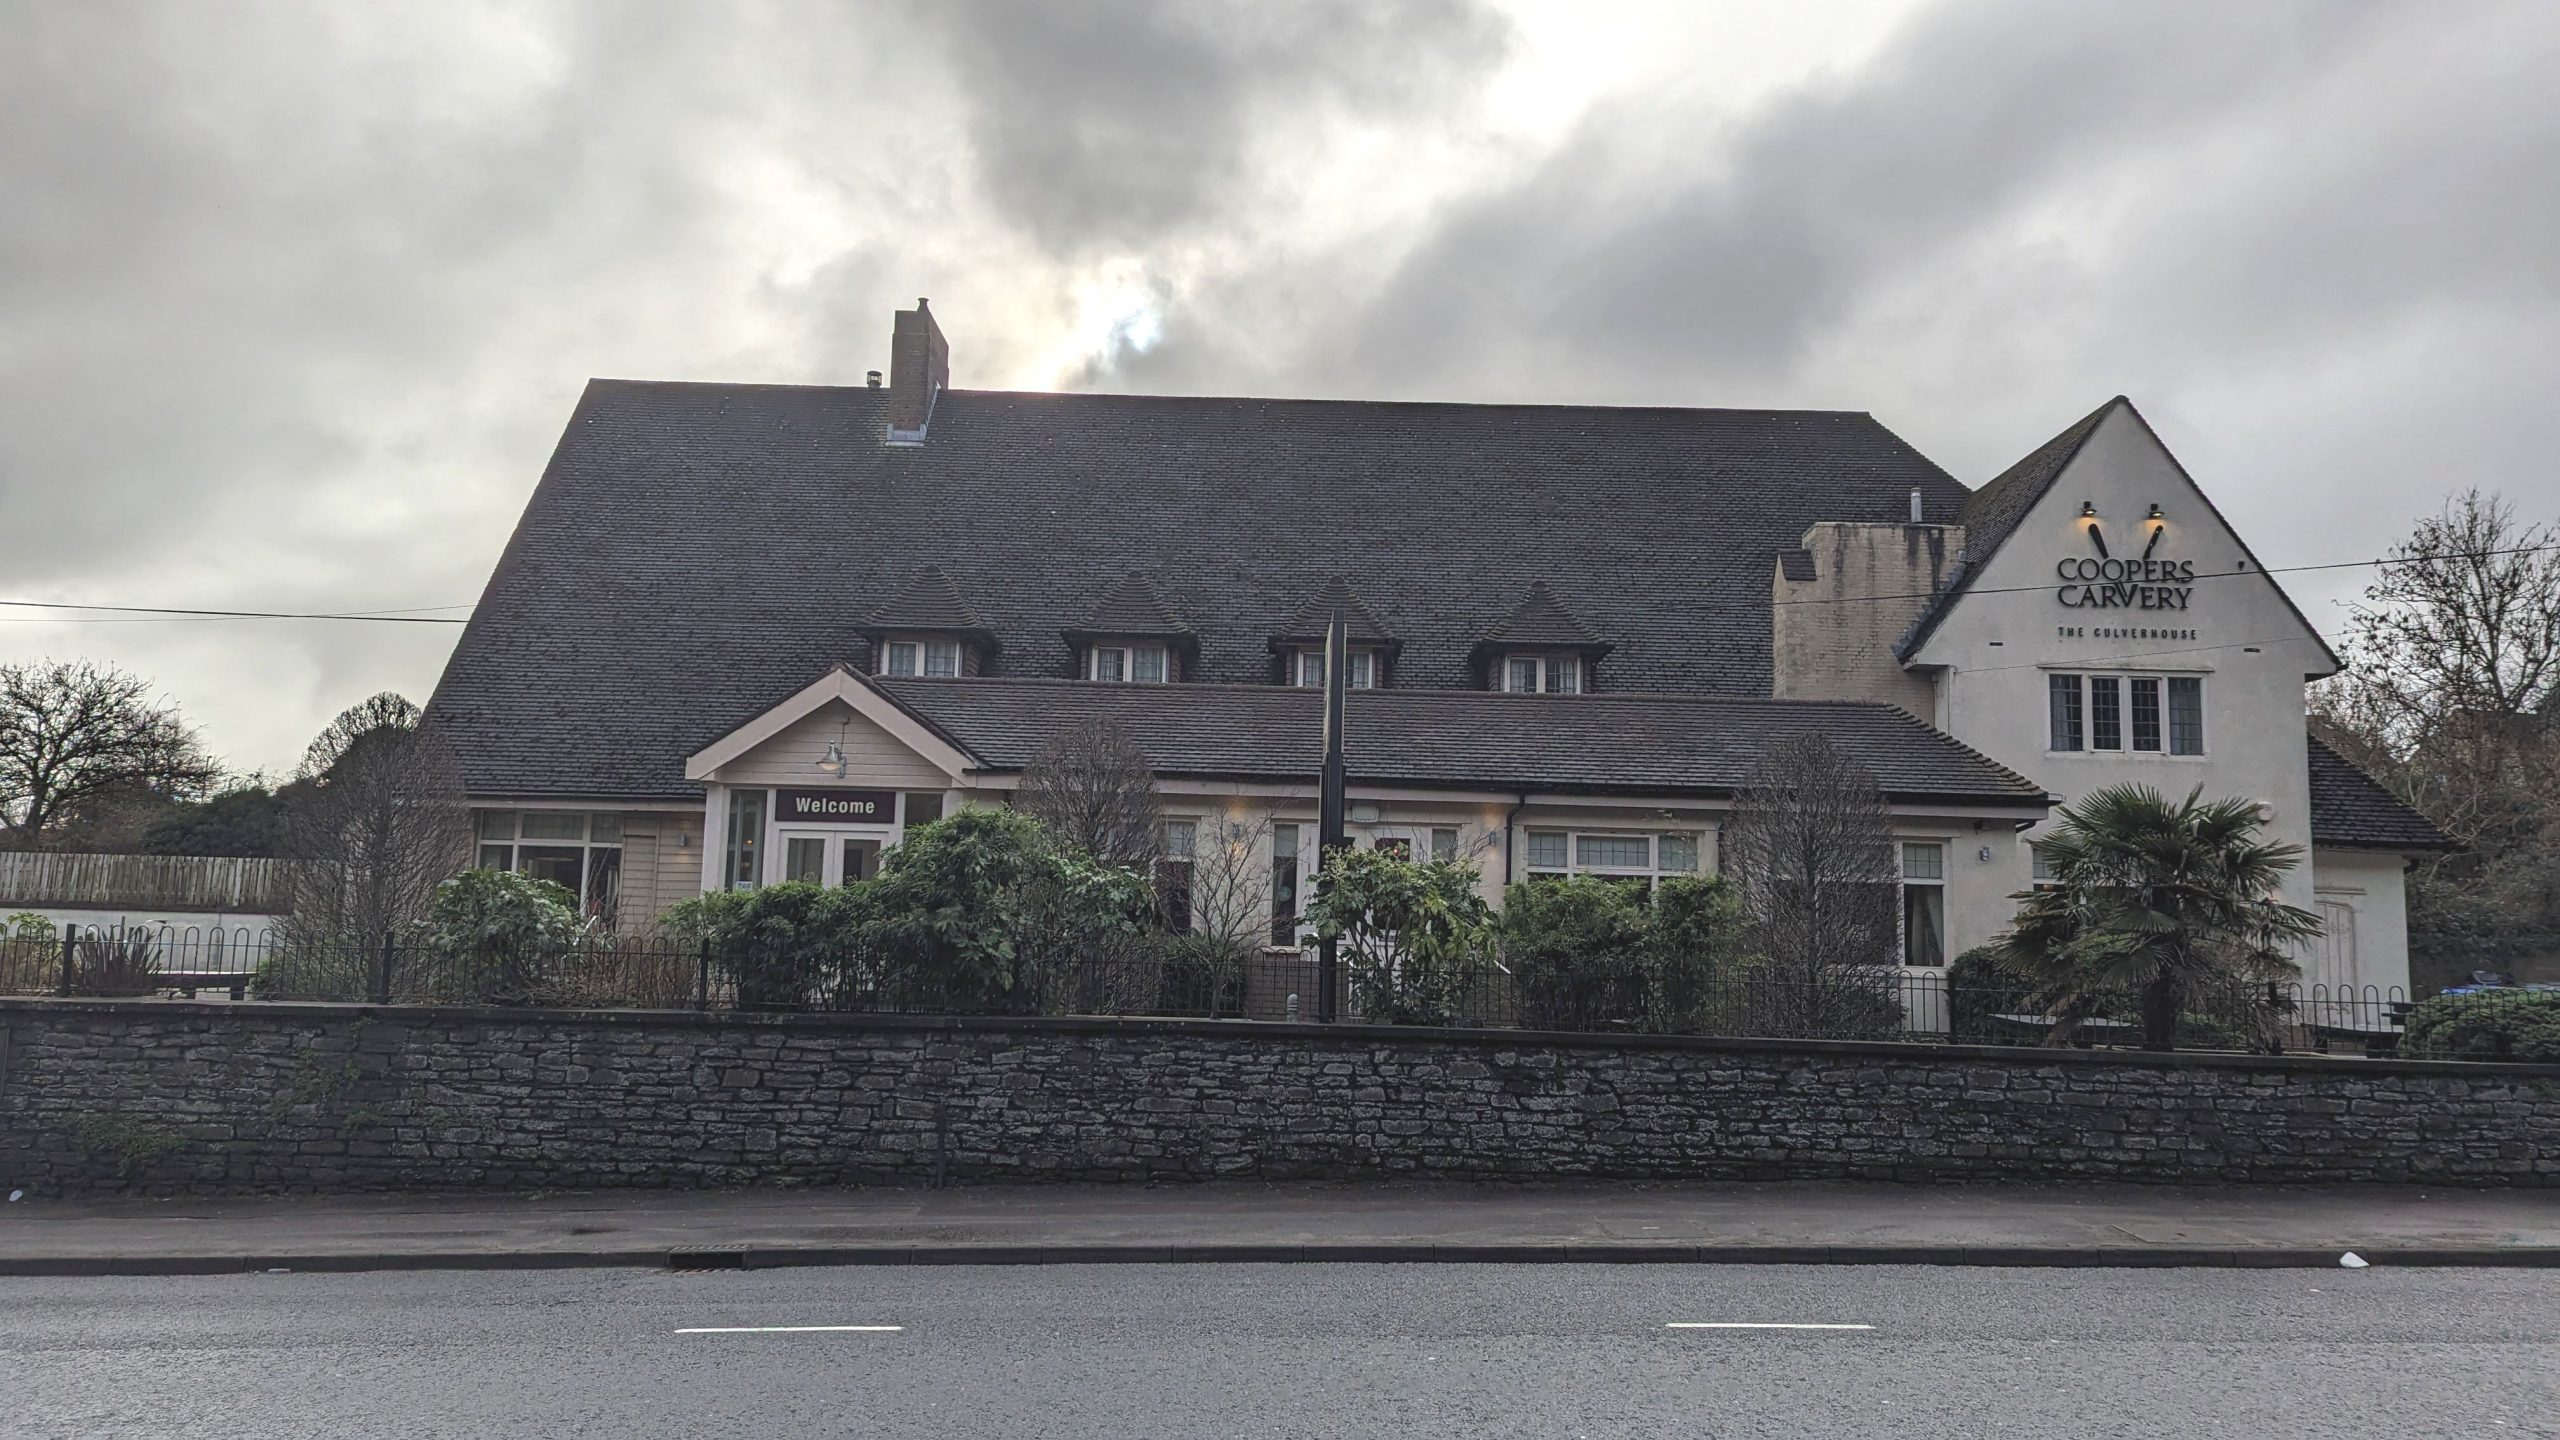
828,857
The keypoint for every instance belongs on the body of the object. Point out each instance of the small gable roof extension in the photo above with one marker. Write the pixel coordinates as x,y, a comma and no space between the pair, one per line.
928,603
1308,624
1541,622
2352,810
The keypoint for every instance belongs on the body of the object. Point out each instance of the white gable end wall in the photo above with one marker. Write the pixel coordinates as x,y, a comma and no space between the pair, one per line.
1994,651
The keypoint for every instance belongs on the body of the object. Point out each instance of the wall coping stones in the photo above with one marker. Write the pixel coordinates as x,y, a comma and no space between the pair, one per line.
1344,1035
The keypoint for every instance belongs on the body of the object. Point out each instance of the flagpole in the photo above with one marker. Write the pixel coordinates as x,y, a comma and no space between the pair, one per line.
1329,833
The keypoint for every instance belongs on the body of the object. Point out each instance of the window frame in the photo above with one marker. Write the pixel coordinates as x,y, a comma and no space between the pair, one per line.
2146,707
1128,663
500,843
1652,872
1906,884
1307,669
1545,669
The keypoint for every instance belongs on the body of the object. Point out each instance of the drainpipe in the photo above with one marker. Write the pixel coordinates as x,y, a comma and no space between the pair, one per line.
1508,816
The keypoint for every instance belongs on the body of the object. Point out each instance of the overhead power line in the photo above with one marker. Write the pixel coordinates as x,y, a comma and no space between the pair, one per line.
418,615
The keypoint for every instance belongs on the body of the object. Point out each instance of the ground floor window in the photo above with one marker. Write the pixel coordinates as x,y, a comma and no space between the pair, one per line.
1924,904
1284,884
1630,855
574,849
1176,855
742,861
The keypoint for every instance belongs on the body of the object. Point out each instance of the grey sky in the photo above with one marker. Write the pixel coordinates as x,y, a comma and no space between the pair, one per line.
295,299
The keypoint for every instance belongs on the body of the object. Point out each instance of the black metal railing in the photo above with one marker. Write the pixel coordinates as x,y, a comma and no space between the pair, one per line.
1173,977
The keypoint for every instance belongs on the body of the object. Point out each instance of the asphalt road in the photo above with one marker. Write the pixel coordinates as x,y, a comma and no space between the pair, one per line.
1299,1350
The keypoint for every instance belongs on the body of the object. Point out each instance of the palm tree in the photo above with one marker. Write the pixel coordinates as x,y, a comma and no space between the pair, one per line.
2160,898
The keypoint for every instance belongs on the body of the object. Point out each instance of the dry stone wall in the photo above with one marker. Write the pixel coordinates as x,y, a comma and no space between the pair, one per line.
164,1097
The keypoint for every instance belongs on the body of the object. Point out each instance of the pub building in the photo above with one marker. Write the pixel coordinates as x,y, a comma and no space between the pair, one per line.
751,633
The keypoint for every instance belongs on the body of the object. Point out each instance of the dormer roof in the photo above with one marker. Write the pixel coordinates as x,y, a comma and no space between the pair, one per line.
1314,616
1541,622
929,602
1132,608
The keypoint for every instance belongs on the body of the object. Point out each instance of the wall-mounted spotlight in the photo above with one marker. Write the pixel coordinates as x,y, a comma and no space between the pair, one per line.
2088,509
2155,510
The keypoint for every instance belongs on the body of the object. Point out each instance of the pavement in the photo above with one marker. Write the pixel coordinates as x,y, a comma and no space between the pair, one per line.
1237,1222
1260,1352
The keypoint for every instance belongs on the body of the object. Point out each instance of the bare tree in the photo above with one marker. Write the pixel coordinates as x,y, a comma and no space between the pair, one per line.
73,734
1094,787
375,824
2452,698
1810,849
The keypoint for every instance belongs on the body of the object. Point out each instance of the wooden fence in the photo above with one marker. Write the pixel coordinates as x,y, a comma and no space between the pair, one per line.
142,882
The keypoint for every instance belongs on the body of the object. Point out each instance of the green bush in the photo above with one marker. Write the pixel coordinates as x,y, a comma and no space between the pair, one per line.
1593,954
494,932
987,912
115,963
30,954
2521,1025
1415,936
1202,975
776,945
1980,987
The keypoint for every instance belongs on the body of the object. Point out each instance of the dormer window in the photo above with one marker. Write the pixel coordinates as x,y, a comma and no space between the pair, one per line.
932,659
1542,674
1361,673
1145,664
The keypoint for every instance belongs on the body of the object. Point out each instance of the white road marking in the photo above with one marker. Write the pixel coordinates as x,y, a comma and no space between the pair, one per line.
788,1329
1755,1325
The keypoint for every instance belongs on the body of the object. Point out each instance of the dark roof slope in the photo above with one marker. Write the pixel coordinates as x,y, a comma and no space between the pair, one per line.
2352,809
1992,512
1639,744
695,552
928,601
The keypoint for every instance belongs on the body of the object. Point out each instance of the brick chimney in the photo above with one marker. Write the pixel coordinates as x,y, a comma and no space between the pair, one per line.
919,370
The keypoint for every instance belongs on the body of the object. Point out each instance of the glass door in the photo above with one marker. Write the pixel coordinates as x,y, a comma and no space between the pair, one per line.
827,857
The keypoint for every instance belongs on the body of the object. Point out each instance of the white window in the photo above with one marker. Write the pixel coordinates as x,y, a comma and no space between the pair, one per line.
1178,847
934,659
1542,674
1361,673
902,658
1146,663
941,659
1924,904
2118,713
578,851
1626,854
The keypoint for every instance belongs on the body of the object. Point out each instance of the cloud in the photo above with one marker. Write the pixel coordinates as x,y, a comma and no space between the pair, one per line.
294,301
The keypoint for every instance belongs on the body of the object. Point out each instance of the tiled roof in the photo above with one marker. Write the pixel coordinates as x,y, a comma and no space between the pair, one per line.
1992,512
929,601
1312,619
1638,744
2350,808
695,552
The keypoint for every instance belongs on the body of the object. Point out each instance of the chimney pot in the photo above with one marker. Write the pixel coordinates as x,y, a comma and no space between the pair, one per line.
1915,504
873,377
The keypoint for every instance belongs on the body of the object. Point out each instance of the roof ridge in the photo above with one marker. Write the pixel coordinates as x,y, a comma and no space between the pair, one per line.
1548,406
1437,693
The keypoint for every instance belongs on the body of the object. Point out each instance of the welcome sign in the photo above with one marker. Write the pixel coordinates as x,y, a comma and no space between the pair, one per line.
835,807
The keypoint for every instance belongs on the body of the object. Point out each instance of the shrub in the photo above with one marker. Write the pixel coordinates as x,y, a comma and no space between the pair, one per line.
30,954
776,945
987,912
1697,953
1414,934
1202,975
2522,1025
493,932
1980,987
115,963
1576,948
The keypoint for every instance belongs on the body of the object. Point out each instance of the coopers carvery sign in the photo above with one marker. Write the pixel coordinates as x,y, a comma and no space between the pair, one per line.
2105,582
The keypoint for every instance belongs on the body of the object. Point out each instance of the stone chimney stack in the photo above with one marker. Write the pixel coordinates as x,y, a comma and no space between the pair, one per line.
1840,602
919,371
